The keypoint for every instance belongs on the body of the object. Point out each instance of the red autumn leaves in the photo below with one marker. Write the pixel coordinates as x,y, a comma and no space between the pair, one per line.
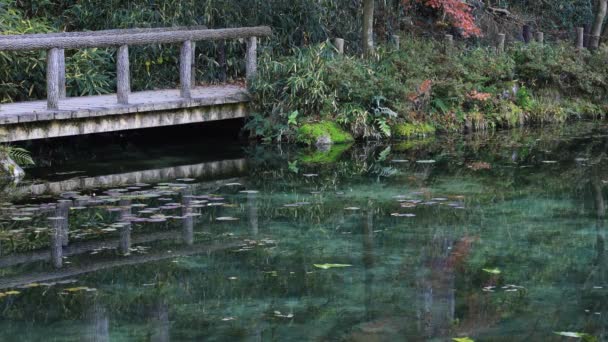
457,12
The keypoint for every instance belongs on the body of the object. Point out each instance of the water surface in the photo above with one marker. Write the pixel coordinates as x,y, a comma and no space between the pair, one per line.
495,238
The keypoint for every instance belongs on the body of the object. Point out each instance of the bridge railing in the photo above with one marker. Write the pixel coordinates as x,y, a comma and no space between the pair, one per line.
57,43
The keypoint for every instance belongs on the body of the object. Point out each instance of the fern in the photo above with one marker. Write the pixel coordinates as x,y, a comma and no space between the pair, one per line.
384,127
20,155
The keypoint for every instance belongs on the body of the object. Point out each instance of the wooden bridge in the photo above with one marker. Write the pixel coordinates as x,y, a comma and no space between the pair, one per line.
60,116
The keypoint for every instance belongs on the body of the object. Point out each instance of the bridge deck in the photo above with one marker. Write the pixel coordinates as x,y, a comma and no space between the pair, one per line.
104,105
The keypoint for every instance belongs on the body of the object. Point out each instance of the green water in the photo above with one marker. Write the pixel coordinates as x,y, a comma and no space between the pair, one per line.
495,238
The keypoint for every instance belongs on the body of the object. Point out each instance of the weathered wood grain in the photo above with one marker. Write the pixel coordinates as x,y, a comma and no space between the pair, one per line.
252,57
185,69
162,37
52,78
123,75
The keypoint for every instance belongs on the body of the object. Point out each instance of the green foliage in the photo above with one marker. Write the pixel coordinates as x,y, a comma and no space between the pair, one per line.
309,133
22,75
523,99
397,90
408,130
20,155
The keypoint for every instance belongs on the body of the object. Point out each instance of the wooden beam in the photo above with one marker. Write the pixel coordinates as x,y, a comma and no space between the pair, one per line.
193,66
123,75
132,39
252,57
185,69
112,32
62,89
52,78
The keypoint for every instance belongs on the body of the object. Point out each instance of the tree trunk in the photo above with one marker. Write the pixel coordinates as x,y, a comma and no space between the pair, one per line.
598,22
368,26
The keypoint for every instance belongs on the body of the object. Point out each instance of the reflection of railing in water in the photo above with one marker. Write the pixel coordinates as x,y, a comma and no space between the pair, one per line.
60,247
36,277
210,169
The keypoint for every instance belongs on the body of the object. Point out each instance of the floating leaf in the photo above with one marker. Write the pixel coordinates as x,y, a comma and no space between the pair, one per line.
21,218
572,334
492,270
403,215
279,314
463,339
227,219
328,266
79,289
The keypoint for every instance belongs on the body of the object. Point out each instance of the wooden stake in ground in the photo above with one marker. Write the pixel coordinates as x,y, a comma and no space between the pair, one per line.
527,34
580,38
500,46
540,38
339,45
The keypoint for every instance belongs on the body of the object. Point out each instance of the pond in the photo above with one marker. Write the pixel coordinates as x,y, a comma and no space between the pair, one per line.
497,237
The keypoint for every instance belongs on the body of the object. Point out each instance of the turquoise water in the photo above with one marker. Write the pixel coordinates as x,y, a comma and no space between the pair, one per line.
494,238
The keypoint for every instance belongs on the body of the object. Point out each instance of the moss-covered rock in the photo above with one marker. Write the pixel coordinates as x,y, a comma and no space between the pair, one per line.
310,133
409,130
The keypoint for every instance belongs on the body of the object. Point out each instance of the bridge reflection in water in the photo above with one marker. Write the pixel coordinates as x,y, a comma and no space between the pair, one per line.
59,215
182,240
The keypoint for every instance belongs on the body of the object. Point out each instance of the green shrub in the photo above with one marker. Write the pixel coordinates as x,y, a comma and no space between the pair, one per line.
476,88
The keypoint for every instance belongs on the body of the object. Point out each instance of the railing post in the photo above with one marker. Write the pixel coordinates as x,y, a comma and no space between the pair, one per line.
193,67
185,69
123,75
252,57
52,79
62,90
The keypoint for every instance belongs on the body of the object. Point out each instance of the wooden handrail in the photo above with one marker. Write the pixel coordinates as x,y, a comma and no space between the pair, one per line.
102,32
56,43
162,37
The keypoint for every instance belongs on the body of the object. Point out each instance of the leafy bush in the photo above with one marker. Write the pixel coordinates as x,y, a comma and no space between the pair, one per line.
475,89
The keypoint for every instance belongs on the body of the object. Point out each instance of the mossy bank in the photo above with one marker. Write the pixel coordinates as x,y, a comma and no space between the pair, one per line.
419,90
